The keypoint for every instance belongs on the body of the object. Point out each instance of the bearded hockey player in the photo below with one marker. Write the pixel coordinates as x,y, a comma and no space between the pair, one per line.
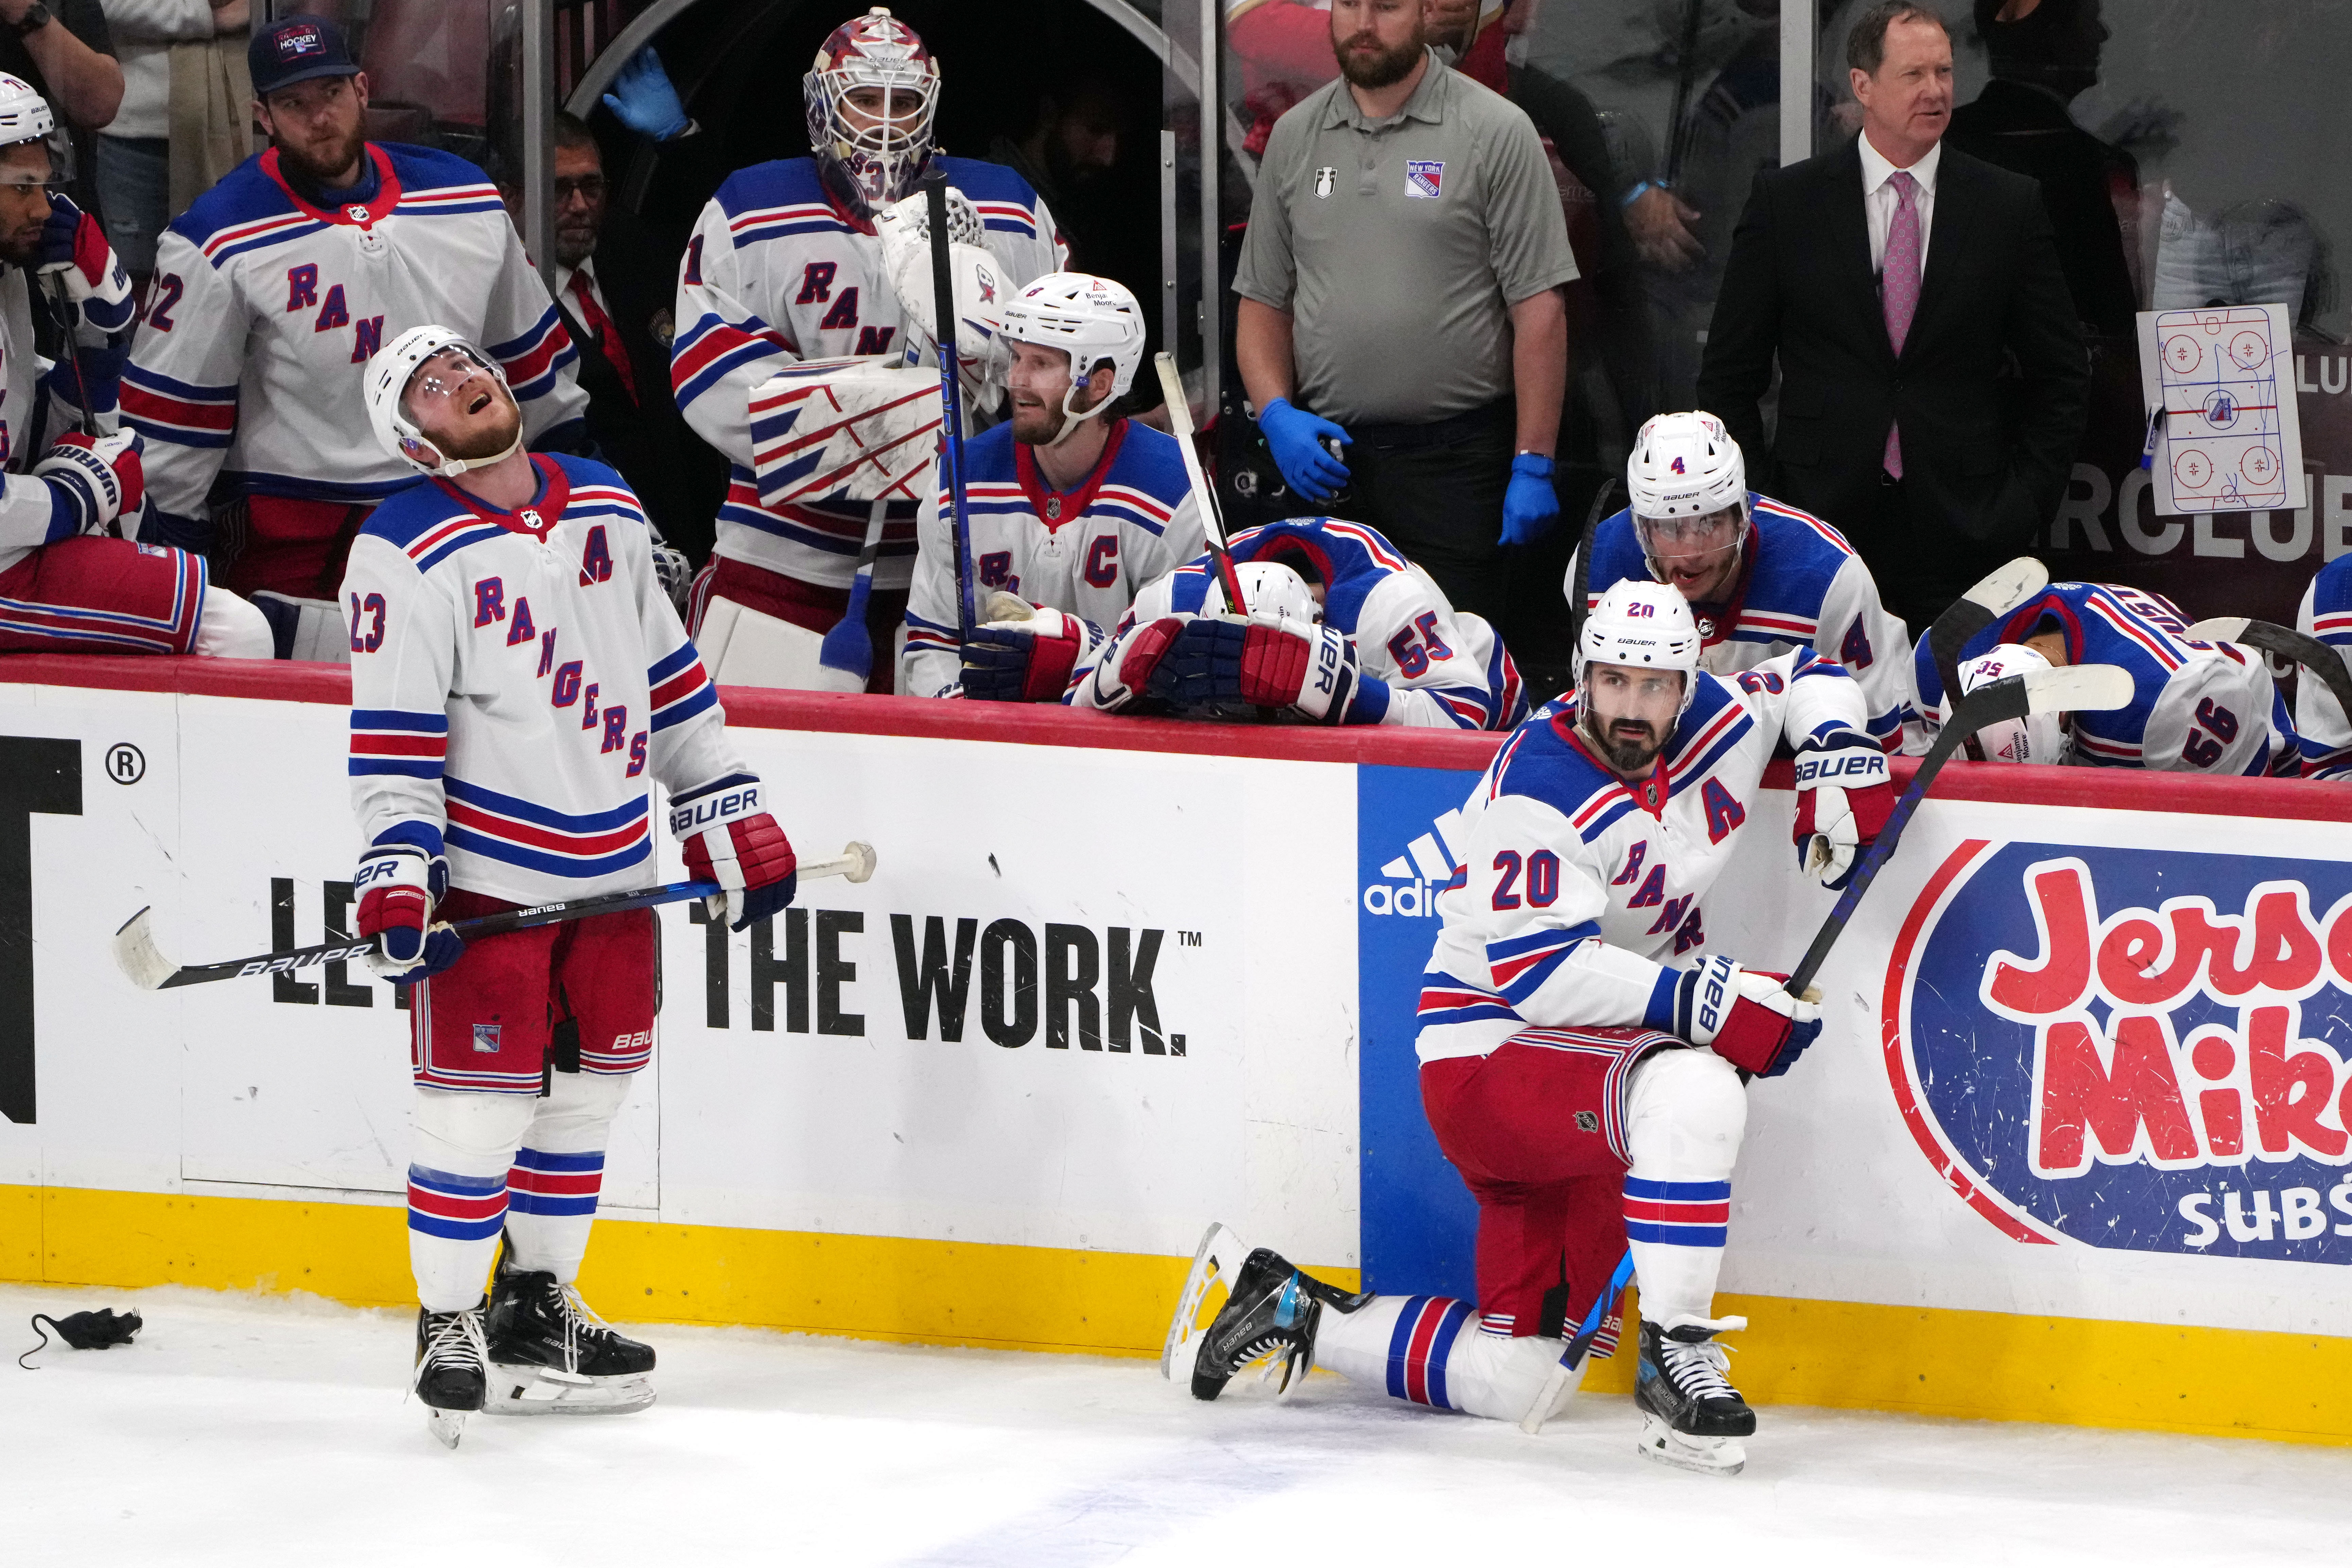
2198,706
518,679
1341,630
808,258
272,291
1069,512
65,588
1580,1058
1762,578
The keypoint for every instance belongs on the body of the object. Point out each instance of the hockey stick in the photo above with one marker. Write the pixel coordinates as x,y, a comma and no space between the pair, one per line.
2287,643
943,314
1994,598
847,650
1581,587
143,964
61,307
1212,522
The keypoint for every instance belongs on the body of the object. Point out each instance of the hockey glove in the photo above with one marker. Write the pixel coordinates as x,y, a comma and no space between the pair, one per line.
1844,800
74,248
1130,666
1745,1015
1529,506
92,480
397,886
1026,660
1267,662
1295,438
731,840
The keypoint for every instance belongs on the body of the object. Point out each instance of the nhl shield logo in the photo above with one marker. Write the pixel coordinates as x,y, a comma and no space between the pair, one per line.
356,214
529,518
486,1038
1325,178
1424,177
1053,509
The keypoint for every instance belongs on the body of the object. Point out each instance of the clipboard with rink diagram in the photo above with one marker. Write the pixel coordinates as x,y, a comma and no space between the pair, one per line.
2227,439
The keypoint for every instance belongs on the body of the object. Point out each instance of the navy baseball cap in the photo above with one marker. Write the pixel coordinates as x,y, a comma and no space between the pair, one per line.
297,48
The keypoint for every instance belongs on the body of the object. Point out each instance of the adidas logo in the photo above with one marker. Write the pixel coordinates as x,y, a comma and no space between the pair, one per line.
1426,865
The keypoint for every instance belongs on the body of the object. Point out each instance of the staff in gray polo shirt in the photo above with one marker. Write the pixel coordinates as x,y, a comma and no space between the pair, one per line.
1399,299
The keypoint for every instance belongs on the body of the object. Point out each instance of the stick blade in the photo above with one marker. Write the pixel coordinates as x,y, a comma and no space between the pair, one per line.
2219,628
2008,587
135,953
2077,689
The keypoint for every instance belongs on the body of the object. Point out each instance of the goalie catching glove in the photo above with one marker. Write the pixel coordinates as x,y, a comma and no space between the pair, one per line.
1844,800
397,886
730,839
1745,1015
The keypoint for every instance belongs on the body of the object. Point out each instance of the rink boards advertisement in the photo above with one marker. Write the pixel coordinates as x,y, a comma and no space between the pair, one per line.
2087,1062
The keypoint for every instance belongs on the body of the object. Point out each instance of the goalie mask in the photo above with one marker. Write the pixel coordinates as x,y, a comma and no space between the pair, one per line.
871,96
1683,473
1641,626
2037,737
1090,319
26,116
435,360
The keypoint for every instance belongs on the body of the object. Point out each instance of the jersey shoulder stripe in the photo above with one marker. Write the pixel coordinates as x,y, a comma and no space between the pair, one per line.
1006,203
1148,463
243,197
1541,765
430,173
1788,523
785,194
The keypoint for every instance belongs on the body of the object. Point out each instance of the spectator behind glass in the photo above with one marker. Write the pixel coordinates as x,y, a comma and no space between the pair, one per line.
1284,47
2044,54
67,53
134,152
1067,156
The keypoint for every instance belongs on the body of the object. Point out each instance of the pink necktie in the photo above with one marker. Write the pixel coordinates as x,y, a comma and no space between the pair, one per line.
1898,289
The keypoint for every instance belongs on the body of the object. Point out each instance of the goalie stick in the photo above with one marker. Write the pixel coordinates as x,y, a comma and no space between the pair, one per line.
2287,643
1994,598
143,964
943,321
1212,522
2069,688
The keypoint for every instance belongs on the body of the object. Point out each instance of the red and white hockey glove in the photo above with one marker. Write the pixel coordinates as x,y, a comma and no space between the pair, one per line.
1267,661
74,248
1745,1015
397,886
1130,666
92,480
730,839
1842,802
1026,659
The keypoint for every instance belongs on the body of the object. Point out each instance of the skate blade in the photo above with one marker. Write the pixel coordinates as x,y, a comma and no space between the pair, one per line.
1219,1259
540,1391
446,1425
1703,1456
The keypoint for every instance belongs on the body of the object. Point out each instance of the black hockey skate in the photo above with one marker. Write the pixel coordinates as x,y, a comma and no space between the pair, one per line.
1271,1312
549,1354
1691,1415
452,1370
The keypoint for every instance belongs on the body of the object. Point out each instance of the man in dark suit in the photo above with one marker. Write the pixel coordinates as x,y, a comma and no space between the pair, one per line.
1933,378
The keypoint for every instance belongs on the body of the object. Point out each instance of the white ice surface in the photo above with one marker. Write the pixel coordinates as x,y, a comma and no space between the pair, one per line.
249,1430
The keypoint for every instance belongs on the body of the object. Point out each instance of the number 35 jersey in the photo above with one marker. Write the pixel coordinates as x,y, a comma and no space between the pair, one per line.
1581,895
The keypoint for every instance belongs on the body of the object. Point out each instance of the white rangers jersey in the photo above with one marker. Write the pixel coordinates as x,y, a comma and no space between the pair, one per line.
2326,613
264,308
1579,896
780,271
518,679
1799,585
1086,551
37,405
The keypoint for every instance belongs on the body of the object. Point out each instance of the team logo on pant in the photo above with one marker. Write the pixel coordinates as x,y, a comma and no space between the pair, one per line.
486,1038
1325,178
1424,177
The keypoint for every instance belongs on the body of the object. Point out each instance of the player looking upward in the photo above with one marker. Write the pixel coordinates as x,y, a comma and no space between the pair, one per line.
518,679
1579,1054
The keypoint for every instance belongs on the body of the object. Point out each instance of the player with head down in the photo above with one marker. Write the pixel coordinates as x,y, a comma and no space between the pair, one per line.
804,259
1762,577
1341,630
1580,1052
1069,510
519,678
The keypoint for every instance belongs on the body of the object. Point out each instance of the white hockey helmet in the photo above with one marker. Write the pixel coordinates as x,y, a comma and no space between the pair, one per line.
1270,588
26,116
385,383
878,158
2037,737
1683,467
1091,318
1641,625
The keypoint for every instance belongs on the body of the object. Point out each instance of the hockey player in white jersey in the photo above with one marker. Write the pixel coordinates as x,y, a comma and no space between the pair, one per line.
1341,630
1762,577
820,258
2323,732
71,476
1069,512
271,292
519,678
1580,1051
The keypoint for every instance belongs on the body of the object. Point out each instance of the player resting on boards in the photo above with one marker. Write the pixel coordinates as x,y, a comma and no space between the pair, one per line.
1762,577
1579,1051
2324,734
1069,512
518,676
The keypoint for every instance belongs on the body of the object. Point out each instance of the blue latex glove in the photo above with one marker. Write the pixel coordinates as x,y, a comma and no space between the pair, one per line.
643,100
1295,438
1530,508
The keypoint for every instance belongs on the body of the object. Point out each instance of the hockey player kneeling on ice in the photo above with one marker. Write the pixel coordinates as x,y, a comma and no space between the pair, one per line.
518,679
1762,578
1341,630
1069,512
1579,1053
2197,707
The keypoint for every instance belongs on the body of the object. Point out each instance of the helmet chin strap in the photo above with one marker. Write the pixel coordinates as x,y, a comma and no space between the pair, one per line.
1072,419
452,467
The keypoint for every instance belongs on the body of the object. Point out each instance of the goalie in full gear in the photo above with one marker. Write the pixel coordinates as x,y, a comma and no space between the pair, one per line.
1580,1052
1069,512
517,674
827,257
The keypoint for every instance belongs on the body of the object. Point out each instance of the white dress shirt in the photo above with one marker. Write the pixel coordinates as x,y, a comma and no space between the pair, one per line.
1879,201
587,268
